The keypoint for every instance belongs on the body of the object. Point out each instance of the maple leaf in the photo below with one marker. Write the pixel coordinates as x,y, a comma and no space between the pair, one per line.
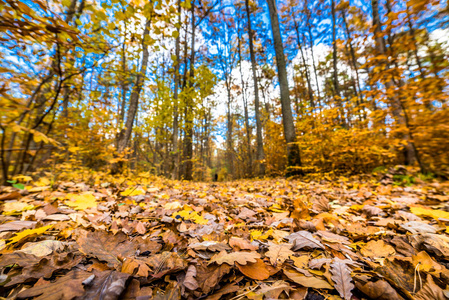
29,232
81,202
45,267
341,275
105,247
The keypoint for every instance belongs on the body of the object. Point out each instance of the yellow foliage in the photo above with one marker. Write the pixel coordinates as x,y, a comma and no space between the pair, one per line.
436,214
27,232
81,201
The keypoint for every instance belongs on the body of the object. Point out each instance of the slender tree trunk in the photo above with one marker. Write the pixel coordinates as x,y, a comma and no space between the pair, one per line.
293,155
134,99
188,155
248,170
336,84
260,153
309,85
175,173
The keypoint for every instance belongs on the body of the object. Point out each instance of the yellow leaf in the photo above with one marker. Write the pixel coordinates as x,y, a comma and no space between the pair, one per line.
10,208
27,232
172,205
82,201
199,219
436,214
132,192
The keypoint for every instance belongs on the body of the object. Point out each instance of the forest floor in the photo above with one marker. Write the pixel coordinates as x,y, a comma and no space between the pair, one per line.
149,238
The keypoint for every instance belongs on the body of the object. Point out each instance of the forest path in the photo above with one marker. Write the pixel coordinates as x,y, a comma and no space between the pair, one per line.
267,239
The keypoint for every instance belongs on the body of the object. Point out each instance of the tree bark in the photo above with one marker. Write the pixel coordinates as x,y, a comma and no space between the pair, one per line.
335,68
260,153
134,99
293,155
175,172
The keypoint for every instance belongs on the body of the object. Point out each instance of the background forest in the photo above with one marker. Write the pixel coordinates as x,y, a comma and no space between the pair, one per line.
192,88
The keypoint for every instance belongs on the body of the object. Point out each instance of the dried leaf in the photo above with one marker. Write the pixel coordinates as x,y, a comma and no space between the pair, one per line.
210,245
279,253
42,248
29,232
257,270
241,258
106,285
17,225
377,249
67,287
241,244
312,282
379,289
208,276
106,247
190,281
341,275
430,291
303,239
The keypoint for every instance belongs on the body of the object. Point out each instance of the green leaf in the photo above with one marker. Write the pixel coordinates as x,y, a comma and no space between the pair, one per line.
19,186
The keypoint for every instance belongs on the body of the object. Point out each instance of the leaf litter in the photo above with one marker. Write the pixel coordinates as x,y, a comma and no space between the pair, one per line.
270,239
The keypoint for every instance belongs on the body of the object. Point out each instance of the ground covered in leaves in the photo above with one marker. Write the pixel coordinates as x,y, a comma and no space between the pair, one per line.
148,238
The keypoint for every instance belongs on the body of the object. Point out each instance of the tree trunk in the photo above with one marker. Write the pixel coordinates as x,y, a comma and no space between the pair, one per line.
188,149
334,66
134,99
248,170
175,173
293,155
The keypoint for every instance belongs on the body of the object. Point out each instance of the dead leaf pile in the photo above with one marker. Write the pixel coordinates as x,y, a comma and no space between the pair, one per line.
270,239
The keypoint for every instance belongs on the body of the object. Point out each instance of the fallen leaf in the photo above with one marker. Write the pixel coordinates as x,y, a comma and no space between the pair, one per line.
67,287
17,225
29,232
240,244
227,289
189,280
106,285
341,275
46,267
312,282
430,291
380,290
209,245
42,248
433,213
278,253
303,239
166,262
208,276
82,201
257,270
377,249
106,247
241,258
